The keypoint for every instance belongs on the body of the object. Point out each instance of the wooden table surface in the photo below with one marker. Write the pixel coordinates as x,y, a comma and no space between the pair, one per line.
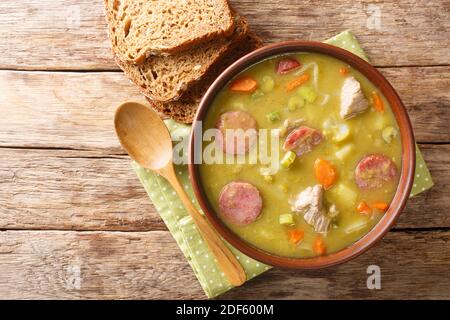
76,223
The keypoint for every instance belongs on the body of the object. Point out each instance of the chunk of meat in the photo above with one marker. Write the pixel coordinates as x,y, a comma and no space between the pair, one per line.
302,140
353,101
322,224
237,131
311,196
286,65
309,202
375,170
289,125
240,203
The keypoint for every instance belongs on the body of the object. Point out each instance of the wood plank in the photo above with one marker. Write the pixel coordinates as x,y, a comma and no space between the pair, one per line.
58,189
78,108
71,34
61,190
412,266
148,265
425,94
431,204
67,265
49,35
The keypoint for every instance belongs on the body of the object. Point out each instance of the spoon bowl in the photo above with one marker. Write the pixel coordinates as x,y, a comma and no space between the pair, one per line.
143,135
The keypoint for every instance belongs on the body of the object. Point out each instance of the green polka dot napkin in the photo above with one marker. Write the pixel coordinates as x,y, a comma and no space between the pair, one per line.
182,227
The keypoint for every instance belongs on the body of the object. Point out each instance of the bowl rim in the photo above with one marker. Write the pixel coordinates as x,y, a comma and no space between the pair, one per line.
408,155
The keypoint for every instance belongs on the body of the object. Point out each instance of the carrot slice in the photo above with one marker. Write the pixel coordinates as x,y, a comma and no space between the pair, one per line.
382,206
295,236
244,84
319,246
325,173
364,208
343,71
297,82
377,102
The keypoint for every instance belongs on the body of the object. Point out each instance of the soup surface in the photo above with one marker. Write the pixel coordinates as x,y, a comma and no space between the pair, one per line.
334,172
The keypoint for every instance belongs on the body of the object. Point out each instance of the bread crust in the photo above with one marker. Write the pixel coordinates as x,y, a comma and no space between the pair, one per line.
185,108
167,78
140,29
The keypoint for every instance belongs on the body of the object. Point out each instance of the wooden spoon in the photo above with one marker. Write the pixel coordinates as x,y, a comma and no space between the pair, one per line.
145,137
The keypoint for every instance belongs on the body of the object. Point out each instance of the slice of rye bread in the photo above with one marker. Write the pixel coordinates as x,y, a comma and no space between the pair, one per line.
140,28
167,78
184,109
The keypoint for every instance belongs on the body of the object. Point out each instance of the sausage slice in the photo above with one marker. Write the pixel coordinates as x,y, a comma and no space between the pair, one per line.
374,170
302,140
286,65
233,140
240,203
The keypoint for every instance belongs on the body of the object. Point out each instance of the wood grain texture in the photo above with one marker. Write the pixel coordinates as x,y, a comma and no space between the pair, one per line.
412,266
78,108
425,94
60,189
62,110
149,265
48,34
406,31
71,34
48,189
69,265
61,167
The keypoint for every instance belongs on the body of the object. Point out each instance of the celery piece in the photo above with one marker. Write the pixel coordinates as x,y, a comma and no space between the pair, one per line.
295,102
257,94
267,84
287,219
388,134
308,93
379,121
288,159
273,116
239,105
356,226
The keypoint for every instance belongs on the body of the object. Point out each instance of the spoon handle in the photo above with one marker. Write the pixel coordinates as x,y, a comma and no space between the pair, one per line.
226,259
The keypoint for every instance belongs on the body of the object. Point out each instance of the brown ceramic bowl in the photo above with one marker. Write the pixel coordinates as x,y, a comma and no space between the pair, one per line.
408,156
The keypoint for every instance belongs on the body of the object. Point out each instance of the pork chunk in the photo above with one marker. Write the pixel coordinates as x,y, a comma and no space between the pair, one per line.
353,101
309,202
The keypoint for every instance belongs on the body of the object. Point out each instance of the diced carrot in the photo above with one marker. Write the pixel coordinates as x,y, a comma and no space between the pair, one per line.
382,206
363,208
377,102
295,236
244,84
343,71
319,246
325,173
297,82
